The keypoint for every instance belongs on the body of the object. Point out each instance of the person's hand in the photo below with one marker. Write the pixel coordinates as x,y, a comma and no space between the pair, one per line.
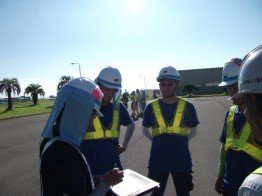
113,177
120,149
219,185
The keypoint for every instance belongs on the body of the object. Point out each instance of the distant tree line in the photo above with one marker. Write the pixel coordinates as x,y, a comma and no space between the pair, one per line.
11,85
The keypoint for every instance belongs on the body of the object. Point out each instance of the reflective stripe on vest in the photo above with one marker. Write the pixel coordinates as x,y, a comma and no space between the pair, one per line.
100,133
241,143
163,127
258,171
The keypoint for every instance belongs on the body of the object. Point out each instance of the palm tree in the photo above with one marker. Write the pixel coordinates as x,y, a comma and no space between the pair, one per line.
63,80
34,90
8,86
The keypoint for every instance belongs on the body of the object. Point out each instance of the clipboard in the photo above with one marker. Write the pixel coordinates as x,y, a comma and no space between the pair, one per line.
134,184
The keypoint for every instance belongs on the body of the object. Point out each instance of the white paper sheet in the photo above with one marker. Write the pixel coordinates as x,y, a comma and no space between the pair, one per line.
133,184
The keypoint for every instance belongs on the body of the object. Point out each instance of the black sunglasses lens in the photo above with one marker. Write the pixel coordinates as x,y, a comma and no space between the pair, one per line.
167,84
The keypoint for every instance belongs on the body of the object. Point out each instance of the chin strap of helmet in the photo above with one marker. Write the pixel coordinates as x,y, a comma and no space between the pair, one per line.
116,99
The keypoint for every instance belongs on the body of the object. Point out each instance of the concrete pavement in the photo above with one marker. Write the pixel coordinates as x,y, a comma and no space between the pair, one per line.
19,141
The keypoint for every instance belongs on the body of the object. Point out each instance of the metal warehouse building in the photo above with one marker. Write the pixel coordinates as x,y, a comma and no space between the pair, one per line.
206,80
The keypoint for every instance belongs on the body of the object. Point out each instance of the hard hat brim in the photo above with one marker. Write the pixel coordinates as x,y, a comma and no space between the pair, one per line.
227,83
99,113
109,85
96,108
239,94
167,77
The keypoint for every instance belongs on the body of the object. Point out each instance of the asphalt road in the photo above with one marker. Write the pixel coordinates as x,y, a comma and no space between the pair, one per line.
19,143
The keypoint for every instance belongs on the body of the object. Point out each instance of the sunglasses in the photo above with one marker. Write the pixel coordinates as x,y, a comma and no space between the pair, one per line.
166,84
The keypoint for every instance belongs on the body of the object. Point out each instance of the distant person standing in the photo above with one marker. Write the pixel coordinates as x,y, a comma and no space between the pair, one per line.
142,102
101,145
134,105
140,113
236,162
170,122
124,99
138,95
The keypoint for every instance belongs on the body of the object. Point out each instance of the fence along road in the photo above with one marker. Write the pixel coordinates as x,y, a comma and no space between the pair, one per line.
19,143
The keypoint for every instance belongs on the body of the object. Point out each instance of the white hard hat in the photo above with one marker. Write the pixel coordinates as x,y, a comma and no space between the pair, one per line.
87,85
110,77
230,72
250,76
168,72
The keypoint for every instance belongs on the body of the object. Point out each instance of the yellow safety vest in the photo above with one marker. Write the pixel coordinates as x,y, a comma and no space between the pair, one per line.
258,171
240,142
102,133
134,98
163,127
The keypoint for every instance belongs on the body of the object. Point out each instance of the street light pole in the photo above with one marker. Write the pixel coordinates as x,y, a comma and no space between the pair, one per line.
78,67
144,82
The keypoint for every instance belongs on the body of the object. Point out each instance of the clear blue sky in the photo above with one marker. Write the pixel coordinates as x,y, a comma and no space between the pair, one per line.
40,39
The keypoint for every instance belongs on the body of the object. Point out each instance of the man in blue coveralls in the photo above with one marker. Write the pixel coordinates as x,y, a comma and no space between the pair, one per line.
236,161
101,146
169,122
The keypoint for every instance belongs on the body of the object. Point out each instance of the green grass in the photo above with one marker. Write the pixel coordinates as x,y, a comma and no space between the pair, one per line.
25,108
